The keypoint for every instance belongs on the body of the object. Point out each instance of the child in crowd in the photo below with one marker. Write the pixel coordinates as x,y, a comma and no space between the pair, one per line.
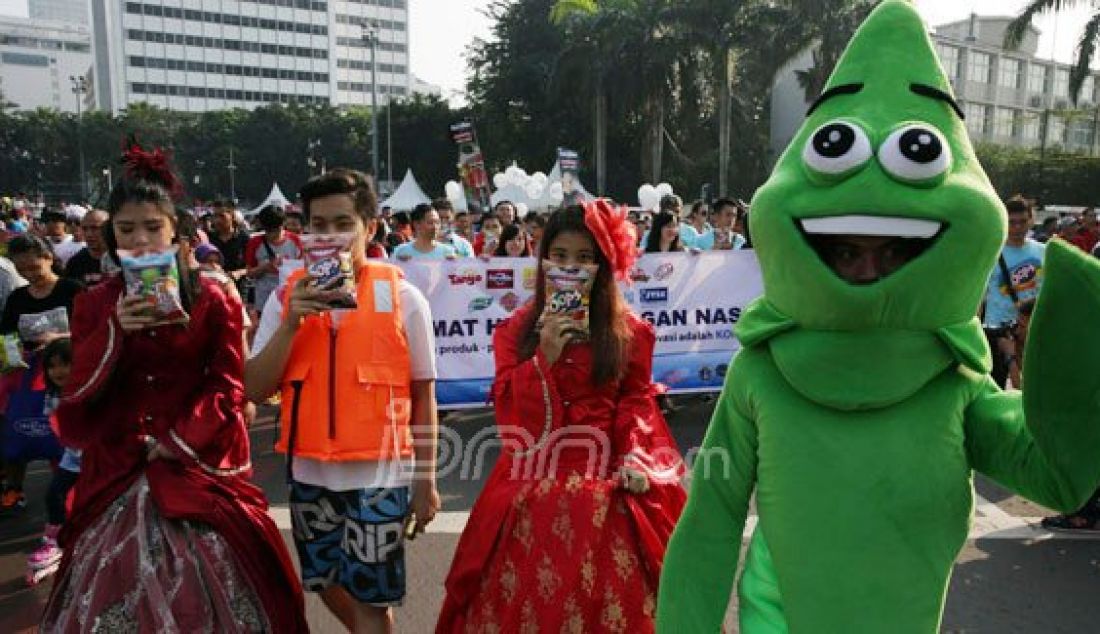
57,358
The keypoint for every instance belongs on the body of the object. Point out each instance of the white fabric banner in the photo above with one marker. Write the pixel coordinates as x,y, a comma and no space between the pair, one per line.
693,301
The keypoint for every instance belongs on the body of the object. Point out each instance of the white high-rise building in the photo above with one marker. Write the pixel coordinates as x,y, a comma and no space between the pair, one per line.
37,58
1009,97
352,49
68,11
198,55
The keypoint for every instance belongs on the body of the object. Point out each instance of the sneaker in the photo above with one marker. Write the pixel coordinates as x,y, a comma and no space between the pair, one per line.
49,553
1072,523
13,499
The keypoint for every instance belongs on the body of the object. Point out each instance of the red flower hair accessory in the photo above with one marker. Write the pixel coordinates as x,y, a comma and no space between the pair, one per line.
614,233
152,166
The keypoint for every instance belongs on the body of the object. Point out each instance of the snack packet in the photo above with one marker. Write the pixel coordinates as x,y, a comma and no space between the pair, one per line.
11,354
569,292
723,239
328,262
33,327
155,275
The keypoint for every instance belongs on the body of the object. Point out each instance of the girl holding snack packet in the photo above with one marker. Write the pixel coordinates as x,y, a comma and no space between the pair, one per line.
587,489
167,533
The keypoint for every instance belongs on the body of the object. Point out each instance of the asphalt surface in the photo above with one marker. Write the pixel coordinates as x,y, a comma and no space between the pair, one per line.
1011,576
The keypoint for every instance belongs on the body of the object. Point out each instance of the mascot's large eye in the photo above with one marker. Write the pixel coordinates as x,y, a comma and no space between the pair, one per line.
837,147
915,152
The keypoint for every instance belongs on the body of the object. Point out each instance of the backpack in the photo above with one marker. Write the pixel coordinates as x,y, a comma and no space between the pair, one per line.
28,435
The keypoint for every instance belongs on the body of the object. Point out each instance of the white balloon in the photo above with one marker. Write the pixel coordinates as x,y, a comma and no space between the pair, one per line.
521,210
500,180
512,174
664,189
646,196
533,190
539,178
453,190
556,195
556,189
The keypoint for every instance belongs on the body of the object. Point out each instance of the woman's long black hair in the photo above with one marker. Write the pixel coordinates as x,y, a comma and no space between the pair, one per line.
608,324
510,233
653,244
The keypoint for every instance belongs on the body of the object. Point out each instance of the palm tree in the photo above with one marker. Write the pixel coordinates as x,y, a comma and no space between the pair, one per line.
714,25
833,26
591,44
615,35
1086,45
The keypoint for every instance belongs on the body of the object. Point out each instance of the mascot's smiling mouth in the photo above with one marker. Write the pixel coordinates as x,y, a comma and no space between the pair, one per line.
864,249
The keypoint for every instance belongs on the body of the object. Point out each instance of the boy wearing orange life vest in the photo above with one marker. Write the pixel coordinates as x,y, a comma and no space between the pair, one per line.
358,411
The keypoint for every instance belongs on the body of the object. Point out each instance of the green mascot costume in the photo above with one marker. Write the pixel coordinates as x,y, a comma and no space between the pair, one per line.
858,409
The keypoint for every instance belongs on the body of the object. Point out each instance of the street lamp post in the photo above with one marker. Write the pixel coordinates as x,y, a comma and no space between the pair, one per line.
80,88
389,139
232,179
370,33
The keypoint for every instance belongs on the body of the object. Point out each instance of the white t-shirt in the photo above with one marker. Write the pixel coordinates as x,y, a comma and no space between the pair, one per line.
66,249
365,474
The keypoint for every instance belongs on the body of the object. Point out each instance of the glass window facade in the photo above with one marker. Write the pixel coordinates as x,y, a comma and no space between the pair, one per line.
978,67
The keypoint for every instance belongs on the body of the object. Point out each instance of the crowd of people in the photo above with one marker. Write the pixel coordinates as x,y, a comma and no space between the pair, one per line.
149,419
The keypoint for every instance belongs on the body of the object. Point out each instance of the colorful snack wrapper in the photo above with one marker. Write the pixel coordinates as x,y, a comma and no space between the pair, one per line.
155,275
328,262
569,292
34,327
11,354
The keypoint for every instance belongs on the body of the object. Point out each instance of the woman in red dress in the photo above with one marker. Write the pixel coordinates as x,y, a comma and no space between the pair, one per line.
167,534
570,530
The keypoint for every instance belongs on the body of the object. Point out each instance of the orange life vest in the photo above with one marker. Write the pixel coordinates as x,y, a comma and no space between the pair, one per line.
346,390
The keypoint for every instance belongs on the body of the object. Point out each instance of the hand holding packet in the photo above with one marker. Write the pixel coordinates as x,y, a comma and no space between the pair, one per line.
569,292
35,327
328,262
11,354
155,276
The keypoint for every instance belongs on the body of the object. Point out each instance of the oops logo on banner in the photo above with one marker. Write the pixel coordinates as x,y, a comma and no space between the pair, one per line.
466,277
500,279
664,271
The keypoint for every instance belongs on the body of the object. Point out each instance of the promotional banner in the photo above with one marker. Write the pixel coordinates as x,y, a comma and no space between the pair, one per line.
569,162
693,301
471,164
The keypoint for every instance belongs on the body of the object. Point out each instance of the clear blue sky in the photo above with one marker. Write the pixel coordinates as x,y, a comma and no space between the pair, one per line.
441,30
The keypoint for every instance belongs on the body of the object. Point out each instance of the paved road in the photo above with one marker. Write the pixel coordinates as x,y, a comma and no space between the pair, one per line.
1011,577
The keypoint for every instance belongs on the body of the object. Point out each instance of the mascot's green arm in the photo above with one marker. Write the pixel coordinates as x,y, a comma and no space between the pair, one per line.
1047,447
701,561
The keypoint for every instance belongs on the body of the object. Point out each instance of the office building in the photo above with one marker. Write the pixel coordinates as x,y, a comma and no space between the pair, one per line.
198,55
37,58
67,11
1005,94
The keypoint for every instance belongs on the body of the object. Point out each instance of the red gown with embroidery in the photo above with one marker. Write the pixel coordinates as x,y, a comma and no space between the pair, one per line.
553,544
181,545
